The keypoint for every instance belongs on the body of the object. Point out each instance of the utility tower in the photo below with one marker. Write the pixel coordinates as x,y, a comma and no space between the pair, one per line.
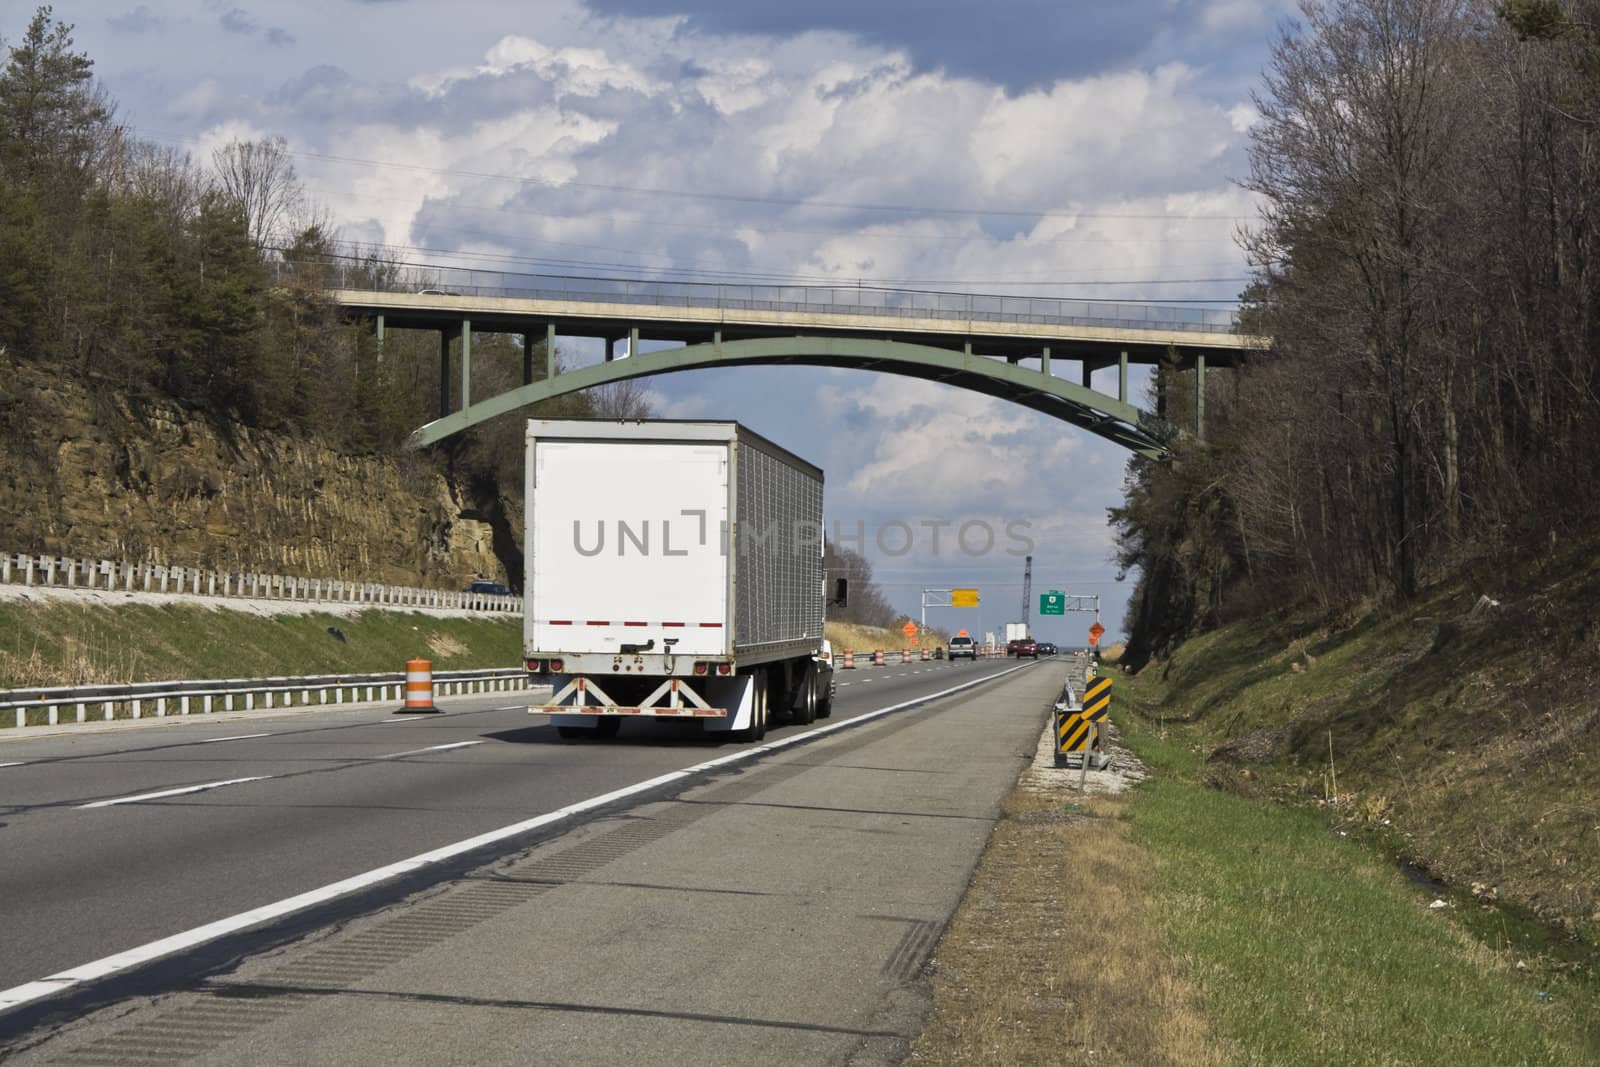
1027,587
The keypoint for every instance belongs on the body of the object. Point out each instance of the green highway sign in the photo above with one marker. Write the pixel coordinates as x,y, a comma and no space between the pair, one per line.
1053,603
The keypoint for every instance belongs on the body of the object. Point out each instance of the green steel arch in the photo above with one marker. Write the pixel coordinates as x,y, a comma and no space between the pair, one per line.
1099,414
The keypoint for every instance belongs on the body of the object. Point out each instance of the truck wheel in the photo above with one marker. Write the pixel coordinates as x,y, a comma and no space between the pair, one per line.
825,704
805,712
608,726
574,733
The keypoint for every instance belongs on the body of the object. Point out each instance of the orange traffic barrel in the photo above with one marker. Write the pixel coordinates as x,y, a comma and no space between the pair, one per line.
925,655
419,688
905,655
849,659
877,658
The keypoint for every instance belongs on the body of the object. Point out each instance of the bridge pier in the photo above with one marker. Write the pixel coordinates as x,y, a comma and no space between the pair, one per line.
1200,397
1122,377
1044,361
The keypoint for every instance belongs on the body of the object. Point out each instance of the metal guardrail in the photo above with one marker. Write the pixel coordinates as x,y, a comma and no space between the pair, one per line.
161,699
841,299
115,576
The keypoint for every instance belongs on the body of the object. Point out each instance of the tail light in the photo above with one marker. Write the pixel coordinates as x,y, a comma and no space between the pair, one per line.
724,668
556,665
534,666
701,668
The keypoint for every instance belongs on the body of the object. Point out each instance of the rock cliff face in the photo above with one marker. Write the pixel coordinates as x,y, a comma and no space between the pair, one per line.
91,473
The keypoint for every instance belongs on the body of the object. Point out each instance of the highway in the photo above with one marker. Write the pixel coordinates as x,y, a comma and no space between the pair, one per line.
117,839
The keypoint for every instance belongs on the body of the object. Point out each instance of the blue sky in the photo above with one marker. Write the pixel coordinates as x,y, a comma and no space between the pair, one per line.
484,128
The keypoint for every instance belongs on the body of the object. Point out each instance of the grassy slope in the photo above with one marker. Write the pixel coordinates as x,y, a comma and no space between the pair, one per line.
1467,743
65,644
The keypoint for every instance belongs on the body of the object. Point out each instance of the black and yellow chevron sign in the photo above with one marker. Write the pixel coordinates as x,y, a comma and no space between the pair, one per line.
1097,699
1072,732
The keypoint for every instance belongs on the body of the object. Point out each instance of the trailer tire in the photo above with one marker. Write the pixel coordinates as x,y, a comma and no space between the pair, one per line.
805,712
575,733
825,706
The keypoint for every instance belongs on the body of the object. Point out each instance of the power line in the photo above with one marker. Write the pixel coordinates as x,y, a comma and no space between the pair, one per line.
739,198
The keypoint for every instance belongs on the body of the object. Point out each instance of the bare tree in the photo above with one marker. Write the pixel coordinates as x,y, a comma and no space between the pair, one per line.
626,399
259,177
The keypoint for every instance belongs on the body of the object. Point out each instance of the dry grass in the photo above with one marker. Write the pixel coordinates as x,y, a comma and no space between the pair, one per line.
1053,957
868,638
447,646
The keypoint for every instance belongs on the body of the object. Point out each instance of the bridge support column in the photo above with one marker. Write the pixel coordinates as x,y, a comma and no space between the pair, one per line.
1122,377
466,364
1200,397
527,358
1044,361
444,373
549,350
378,332
1088,374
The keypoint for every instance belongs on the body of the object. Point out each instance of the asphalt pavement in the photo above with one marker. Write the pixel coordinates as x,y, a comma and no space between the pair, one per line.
117,840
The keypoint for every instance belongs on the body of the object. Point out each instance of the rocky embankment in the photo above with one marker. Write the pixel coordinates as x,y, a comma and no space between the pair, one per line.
88,472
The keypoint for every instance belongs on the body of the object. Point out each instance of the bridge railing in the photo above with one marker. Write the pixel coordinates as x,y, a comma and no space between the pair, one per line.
849,300
21,708
64,572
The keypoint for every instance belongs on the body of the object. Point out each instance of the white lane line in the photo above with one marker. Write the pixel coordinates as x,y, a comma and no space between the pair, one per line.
122,961
17,764
174,792
235,737
430,748
398,722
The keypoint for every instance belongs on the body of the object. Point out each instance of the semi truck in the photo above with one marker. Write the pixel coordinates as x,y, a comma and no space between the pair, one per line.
1016,631
673,571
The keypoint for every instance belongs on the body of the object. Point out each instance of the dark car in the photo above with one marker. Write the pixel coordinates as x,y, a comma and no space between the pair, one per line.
1025,646
491,588
1046,648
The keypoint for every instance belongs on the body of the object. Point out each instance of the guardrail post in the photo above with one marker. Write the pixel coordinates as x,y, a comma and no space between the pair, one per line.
81,713
5,568
144,572
106,711
71,566
51,717
109,570
183,704
211,583
49,564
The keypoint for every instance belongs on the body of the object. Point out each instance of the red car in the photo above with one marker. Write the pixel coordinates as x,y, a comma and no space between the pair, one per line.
1025,646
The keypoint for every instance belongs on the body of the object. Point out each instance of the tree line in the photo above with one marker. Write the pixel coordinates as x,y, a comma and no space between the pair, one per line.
136,267
1425,267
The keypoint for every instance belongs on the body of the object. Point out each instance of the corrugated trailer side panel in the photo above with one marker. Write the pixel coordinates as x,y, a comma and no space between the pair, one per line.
777,548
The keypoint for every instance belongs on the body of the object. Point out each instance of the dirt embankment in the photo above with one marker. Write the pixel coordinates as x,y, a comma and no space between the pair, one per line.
90,473
870,638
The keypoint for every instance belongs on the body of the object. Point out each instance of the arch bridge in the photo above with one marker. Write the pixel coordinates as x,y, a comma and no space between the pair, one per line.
1014,348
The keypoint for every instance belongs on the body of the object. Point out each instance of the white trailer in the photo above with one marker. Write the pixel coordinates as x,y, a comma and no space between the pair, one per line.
674,570
1016,631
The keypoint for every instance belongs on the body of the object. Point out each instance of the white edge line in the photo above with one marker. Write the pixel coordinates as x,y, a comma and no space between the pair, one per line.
430,748
17,764
88,972
235,737
202,787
